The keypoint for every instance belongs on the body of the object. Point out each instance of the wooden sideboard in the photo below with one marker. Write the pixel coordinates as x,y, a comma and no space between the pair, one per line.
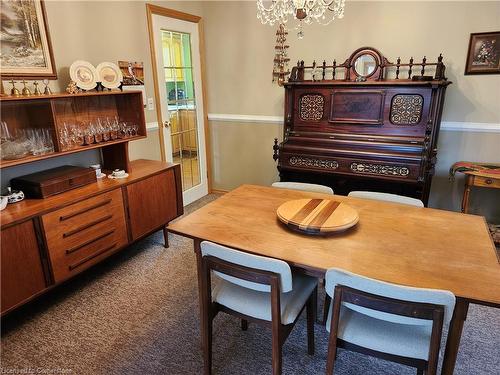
47,241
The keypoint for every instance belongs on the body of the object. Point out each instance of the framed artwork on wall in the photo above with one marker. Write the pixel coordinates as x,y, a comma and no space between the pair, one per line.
26,50
483,56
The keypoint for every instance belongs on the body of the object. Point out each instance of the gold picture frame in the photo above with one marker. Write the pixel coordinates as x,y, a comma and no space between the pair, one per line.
26,49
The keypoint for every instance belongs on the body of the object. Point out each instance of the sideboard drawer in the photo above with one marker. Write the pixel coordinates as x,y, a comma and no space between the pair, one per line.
84,233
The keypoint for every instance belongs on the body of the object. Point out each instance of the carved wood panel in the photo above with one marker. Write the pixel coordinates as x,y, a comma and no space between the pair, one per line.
355,106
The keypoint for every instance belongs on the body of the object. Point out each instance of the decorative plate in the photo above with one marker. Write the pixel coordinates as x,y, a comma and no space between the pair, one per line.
83,74
109,75
117,177
317,216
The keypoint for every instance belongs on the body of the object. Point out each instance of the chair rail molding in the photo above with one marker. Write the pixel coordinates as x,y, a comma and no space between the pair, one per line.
469,127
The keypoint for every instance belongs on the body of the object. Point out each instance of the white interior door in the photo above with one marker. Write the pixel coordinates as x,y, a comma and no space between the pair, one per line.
178,65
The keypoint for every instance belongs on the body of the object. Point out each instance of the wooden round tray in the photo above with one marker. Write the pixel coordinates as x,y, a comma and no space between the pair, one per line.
317,216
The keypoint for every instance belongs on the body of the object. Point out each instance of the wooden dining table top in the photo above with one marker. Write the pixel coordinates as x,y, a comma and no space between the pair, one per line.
413,246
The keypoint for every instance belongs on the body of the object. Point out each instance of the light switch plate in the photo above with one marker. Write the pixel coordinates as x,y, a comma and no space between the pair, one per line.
150,104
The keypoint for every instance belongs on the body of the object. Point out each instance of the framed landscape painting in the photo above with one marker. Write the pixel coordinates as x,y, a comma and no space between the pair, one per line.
484,53
26,51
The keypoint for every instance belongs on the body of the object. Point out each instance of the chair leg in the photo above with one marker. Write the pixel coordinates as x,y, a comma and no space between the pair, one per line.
326,308
332,355
277,350
311,317
207,344
244,324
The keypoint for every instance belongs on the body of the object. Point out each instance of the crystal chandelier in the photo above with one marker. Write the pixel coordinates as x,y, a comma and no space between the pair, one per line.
305,11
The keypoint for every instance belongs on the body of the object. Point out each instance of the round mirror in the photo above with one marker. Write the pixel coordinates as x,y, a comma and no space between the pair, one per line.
365,65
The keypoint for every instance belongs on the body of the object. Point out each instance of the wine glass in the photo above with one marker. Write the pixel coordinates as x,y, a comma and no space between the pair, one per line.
92,133
135,129
4,132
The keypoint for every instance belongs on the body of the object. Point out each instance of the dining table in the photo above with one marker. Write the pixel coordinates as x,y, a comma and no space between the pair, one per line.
406,245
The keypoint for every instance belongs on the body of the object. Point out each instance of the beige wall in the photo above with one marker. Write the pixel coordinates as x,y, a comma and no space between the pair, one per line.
98,31
242,153
240,61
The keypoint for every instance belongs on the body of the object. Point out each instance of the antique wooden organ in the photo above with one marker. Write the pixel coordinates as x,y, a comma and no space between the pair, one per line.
365,124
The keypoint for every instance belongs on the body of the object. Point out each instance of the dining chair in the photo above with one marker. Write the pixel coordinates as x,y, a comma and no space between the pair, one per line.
387,197
255,289
393,322
314,188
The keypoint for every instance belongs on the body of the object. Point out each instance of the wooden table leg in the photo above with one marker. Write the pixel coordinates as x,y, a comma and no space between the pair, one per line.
454,336
205,331
465,198
201,300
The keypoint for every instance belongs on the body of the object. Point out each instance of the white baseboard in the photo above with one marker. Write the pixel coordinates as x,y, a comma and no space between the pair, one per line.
482,127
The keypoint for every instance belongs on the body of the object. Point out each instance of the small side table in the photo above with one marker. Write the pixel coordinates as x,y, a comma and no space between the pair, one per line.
474,180
477,174
486,175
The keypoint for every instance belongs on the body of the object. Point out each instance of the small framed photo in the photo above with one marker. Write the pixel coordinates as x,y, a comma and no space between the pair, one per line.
484,53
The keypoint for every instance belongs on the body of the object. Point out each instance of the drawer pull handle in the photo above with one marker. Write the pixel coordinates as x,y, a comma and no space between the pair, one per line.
83,210
489,181
78,247
90,257
86,226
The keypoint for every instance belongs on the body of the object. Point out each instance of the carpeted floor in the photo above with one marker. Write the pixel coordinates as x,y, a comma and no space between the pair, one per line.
137,313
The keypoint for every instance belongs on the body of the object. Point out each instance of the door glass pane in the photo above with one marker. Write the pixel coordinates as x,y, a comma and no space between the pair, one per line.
182,108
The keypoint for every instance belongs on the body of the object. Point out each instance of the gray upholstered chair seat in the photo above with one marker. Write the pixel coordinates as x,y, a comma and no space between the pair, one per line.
407,340
258,303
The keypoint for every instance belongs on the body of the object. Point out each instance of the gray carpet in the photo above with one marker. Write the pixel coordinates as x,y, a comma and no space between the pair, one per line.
137,313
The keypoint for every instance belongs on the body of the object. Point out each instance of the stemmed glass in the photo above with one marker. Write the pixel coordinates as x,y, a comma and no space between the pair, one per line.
135,129
64,137
98,132
4,132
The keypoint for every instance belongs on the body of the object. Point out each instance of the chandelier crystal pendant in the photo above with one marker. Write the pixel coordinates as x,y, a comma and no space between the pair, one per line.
305,11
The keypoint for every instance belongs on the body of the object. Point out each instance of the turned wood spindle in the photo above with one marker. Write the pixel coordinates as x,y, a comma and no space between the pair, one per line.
398,63
439,68
423,66
275,149
334,68
409,68
300,74
324,69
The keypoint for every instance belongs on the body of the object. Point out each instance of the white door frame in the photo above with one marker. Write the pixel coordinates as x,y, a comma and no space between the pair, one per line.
160,11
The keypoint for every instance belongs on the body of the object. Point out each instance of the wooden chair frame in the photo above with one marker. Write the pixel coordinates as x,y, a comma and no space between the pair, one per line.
280,331
417,310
